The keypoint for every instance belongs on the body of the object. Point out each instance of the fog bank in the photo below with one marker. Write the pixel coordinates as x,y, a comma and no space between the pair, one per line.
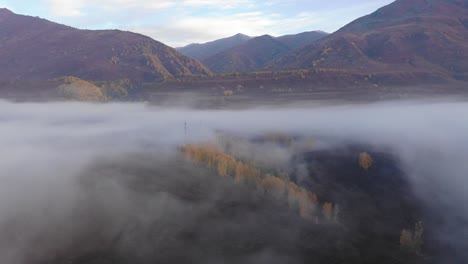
62,171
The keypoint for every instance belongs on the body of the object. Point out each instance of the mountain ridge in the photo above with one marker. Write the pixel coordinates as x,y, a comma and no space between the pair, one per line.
250,56
256,53
202,51
35,48
419,35
294,41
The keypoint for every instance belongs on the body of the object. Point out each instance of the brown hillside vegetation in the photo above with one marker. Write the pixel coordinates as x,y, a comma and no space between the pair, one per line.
73,88
298,198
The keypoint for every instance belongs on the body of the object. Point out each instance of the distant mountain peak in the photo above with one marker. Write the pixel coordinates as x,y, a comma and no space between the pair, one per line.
205,50
5,11
241,35
263,37
319,32
249,56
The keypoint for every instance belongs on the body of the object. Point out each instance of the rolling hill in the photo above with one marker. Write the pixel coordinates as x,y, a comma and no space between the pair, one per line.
36,49
420,37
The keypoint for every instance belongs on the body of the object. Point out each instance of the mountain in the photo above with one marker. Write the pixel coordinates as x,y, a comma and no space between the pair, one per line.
206,50
301,39
426,37
250,56
36,49
254,54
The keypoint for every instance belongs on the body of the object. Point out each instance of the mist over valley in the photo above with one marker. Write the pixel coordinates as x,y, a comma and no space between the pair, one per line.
233,132
91,183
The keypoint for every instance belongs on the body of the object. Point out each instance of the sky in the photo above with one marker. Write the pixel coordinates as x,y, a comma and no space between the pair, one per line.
181,22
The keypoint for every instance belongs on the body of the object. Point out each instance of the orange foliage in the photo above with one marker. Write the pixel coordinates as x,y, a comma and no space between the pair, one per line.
327,210
273,185
224,164
365,160
228,166
406,239
412,241
306,207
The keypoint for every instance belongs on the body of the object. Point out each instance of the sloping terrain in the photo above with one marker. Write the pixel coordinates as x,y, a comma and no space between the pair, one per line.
254,54
301,39
36,49
405,36
250,56
206,50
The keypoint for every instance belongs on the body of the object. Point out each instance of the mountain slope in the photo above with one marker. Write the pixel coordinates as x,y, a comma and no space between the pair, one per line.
36,49
250,56
301,39
206,50
255,53
406,36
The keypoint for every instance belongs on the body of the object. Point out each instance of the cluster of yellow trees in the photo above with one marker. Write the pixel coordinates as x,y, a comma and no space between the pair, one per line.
412,241
298,198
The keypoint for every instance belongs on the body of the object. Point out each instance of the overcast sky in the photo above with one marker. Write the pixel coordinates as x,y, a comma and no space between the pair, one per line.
180,22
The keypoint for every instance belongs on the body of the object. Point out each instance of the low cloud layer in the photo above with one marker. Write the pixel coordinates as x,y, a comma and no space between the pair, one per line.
67,174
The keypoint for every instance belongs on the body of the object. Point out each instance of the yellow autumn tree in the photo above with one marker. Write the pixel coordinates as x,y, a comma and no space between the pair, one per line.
406,239
412,241
365,161
418,236
327,210
273,185
306,207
